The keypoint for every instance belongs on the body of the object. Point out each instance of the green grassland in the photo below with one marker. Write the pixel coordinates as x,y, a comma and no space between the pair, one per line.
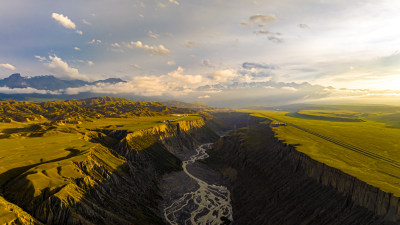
336,115
41,143
23,145
134,123
373,136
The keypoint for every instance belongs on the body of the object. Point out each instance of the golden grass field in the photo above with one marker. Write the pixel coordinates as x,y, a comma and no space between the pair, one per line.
22,149
134,123
373,136
45,154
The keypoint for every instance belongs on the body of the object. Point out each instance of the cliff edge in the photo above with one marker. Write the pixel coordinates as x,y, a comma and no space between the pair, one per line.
272,183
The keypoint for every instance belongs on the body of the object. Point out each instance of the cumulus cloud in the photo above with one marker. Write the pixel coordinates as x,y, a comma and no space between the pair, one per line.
77,49
61,69
174,83
156,50
7,66
259,18
171,63
90,63
65,22
224,75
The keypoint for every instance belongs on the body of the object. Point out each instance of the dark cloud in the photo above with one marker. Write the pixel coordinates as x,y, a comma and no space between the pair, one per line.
275,39
303,26
272,36
250,65
207,63
258,32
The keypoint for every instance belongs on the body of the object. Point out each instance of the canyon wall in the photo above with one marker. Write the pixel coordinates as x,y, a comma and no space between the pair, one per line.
114,182
272,183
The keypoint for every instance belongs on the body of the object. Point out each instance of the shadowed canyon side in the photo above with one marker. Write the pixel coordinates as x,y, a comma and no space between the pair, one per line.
272,183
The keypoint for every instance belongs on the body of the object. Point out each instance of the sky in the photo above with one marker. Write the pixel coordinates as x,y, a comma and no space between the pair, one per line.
225,52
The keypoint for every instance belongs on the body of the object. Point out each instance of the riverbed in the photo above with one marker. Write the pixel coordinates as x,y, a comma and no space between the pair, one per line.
196,194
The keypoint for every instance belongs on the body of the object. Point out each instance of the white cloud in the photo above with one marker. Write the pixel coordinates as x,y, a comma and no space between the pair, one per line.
175,83
40,58
204,96
116,45
28,90
224,75
263,18
77,49
86,22
174,2
61,69
161,5
171,63
246,24
90,63
156,50
65,22
287,88
153,35
94,41
7,66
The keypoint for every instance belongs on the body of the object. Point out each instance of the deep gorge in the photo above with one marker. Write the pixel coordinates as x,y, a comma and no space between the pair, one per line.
120,180
272,183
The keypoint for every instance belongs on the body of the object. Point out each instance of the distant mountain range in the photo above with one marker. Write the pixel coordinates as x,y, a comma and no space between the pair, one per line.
49,82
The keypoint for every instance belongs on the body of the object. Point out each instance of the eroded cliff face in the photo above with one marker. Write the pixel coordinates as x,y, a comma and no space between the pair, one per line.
272,183
114,182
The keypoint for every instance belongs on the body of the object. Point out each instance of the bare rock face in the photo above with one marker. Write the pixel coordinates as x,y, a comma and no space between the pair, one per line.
272,183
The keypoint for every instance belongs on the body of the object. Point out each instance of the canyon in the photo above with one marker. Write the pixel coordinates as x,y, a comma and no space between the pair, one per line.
136,177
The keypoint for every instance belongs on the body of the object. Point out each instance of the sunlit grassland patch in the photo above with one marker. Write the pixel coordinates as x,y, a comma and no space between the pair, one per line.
134,123
373,136
21,151
19,154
